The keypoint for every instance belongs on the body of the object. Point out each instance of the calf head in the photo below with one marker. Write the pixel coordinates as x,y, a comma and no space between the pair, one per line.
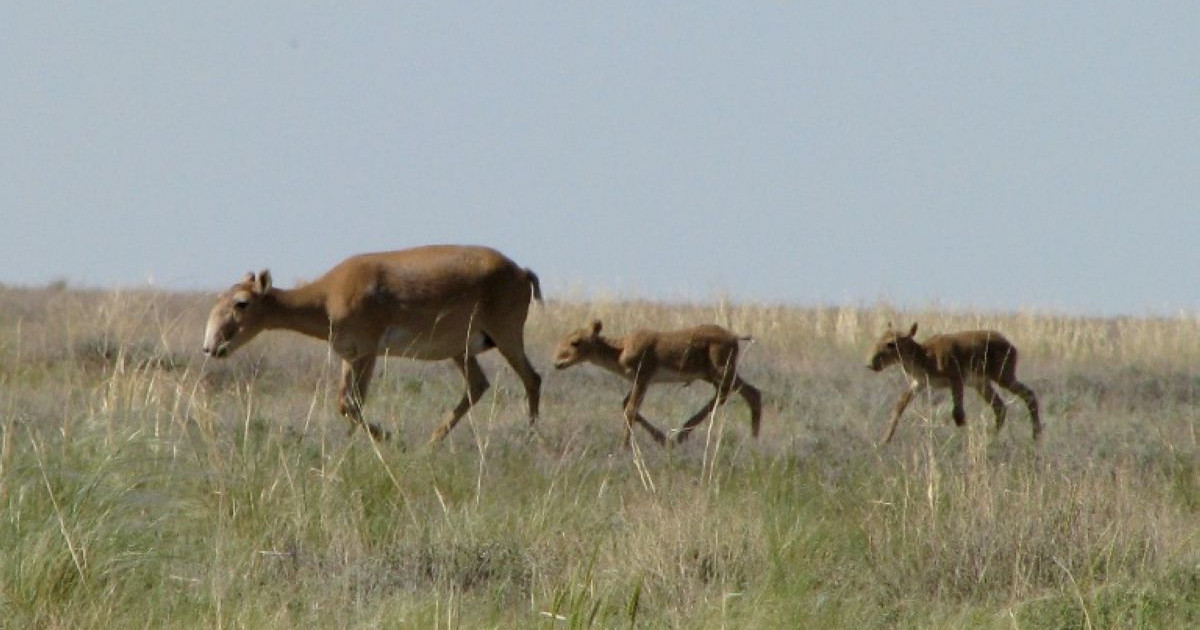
578,346
892,348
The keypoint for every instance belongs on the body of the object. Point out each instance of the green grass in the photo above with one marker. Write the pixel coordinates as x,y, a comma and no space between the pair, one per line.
144,487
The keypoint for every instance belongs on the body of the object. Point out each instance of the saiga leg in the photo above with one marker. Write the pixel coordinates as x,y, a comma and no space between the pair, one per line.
1031,401
956,394
633,402
723,385
699,417
898,410
753,398
512,347
993,398
356,380
650,428
477,384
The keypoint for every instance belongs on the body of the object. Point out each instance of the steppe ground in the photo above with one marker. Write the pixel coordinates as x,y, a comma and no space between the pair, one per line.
143,486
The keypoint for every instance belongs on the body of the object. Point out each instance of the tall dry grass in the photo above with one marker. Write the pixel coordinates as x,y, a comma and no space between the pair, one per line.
144,485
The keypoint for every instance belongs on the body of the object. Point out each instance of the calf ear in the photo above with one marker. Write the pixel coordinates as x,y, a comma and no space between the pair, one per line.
262,282
913,331
596,327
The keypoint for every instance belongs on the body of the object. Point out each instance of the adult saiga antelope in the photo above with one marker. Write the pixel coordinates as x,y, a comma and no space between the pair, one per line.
974,357
429,303
705,353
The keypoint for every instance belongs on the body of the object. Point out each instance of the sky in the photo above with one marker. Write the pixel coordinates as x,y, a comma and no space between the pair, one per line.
1006,155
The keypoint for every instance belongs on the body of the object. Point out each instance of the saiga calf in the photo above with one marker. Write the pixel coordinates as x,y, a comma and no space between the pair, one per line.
975,357
703,353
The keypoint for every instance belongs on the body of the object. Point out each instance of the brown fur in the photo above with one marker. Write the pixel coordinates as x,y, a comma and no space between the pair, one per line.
429,303
703,353
975,357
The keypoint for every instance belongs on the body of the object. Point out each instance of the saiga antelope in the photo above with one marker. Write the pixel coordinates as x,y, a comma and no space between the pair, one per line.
974,357
429,303
703,353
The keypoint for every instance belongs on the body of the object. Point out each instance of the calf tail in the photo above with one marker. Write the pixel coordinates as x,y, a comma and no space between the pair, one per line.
537,286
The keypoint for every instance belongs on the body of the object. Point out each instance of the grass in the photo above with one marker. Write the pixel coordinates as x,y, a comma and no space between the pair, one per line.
143,486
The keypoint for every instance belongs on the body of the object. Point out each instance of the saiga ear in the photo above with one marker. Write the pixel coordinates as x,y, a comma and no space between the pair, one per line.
262,282
913,331
596,327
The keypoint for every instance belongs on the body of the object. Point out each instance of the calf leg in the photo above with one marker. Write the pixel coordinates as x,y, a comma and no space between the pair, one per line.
956,394
477,384
645,424
993,398
356,379
633,402
753,398
699,417
898,410
1031,401
632,405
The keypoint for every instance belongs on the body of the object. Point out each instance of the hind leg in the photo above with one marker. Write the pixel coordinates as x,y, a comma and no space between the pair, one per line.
640,419
699,417
477,384
512,347
753,398
989,393
1031,401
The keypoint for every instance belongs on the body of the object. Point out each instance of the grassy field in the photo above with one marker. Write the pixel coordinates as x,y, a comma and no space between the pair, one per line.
142,486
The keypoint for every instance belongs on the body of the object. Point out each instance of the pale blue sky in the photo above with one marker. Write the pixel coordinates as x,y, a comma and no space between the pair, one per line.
1014,155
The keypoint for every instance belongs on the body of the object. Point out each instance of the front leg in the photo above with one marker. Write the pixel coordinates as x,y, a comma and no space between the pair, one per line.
956,393
633,403
356,380
898,410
